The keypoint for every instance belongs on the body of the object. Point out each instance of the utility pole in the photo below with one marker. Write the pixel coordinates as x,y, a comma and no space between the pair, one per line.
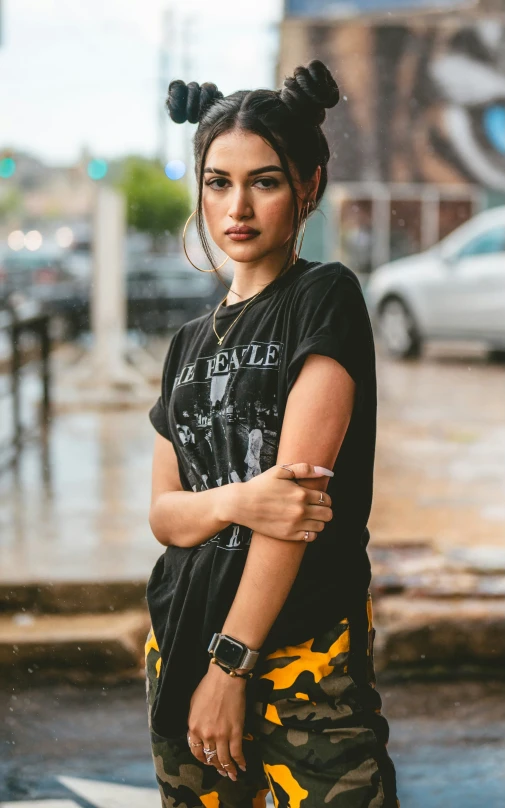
187,67
111,373
164,61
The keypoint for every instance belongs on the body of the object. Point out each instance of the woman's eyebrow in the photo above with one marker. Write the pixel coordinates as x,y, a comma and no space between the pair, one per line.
263,169
254,171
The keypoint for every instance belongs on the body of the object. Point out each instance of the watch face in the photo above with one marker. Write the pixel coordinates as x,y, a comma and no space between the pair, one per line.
229,652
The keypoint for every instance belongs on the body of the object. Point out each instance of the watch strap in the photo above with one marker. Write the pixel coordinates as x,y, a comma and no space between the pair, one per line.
249,657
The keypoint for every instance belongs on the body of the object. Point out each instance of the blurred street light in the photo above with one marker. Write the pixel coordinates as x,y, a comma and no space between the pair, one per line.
16,240
64,237
175,169
33,240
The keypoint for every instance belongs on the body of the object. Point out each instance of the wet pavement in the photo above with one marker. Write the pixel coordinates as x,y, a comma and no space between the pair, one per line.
89,521
440,471
440,475
90,746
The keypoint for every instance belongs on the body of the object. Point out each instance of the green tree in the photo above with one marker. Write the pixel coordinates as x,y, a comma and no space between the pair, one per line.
156,205
11,203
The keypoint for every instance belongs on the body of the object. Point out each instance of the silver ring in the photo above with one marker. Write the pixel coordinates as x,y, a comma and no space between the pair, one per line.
286,466
306,536
225,765
321,498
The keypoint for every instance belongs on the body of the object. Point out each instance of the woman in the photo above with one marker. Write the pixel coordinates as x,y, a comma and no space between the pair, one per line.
259,659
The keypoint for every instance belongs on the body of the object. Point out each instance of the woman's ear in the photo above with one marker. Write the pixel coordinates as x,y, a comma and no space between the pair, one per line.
312,186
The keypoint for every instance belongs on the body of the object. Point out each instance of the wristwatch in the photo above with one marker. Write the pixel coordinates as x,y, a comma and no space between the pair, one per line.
232,653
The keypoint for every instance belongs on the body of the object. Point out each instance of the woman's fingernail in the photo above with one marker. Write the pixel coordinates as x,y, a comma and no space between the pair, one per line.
222,771
322,470
232,776
241,767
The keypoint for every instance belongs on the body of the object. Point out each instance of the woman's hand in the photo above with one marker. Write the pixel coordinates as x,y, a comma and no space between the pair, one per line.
216,718
273,504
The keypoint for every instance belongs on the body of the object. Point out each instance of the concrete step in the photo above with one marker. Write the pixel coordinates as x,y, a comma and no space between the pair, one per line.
73,597
417,633
79,647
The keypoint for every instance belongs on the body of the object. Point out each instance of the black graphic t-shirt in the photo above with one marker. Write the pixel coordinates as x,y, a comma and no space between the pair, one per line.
222,408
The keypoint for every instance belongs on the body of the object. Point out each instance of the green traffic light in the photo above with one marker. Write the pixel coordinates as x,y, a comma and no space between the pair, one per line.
97,169
7,167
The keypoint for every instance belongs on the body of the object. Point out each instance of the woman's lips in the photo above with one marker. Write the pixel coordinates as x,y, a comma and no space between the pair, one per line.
242,236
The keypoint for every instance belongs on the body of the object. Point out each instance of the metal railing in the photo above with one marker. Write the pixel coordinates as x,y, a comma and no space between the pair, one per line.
24,359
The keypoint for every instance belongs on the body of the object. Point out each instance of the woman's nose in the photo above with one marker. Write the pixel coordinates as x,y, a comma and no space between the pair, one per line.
240,206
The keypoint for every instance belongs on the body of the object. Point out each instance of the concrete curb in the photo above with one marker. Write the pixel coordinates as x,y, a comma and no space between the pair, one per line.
84,646
423,632
73,597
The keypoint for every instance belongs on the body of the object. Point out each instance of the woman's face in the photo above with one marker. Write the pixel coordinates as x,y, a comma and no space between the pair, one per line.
244,185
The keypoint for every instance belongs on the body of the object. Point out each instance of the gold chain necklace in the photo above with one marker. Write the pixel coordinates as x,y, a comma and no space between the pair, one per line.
220,339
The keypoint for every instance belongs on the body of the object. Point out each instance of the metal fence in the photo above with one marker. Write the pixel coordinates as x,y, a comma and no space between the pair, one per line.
25,382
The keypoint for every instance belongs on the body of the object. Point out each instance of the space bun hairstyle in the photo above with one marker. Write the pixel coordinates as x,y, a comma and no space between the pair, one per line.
288,119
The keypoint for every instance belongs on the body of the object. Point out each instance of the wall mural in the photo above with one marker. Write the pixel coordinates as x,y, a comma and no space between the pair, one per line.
419,102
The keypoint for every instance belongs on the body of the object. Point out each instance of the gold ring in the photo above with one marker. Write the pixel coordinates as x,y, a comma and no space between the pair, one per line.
321,498
306,536
225,765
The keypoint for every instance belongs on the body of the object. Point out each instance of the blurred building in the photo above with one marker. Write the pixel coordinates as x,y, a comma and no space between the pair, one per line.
45,193
418,137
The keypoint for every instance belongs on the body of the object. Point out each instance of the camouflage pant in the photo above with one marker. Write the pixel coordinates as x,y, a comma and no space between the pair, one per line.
314,735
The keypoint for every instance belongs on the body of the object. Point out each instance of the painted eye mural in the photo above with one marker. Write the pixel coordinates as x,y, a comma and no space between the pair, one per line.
469,76
421,101
493,122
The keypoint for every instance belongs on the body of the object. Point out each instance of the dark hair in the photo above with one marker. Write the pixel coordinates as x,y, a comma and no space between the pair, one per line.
289,119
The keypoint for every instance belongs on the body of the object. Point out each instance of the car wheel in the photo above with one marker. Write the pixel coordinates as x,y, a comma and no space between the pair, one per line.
398,331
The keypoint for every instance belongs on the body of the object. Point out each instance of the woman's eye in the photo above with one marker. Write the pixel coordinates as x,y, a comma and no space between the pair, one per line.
270,183
264,183
216,188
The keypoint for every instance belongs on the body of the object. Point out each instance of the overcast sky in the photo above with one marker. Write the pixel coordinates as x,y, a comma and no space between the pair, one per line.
86,74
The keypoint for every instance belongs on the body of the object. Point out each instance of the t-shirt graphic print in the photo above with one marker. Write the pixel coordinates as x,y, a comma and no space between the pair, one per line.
226,412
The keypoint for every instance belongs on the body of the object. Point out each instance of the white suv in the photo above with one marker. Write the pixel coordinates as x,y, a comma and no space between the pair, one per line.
454,290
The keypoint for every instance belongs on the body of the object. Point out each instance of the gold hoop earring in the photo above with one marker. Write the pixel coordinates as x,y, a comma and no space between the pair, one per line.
186,252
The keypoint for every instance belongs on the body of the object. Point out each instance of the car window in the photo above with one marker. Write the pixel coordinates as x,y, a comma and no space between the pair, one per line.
492,241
